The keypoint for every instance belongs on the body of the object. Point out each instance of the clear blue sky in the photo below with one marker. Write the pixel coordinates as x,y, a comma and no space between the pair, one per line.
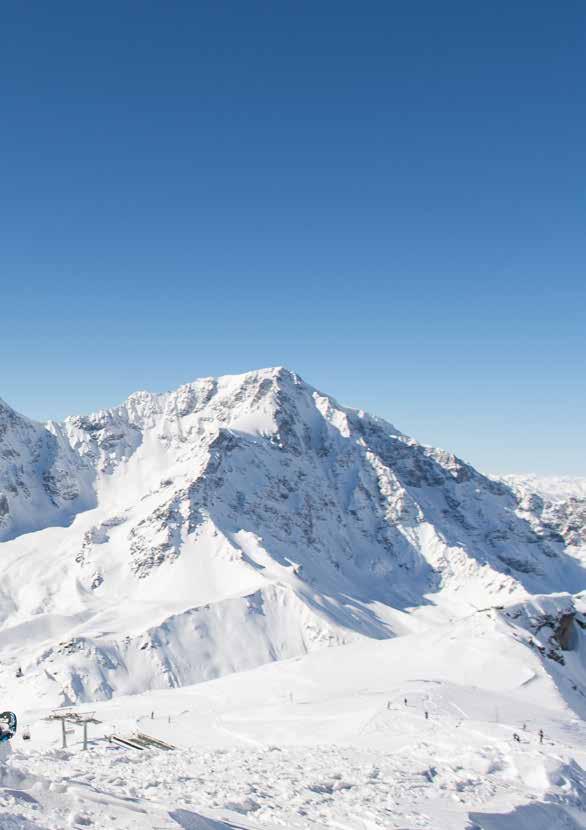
389,198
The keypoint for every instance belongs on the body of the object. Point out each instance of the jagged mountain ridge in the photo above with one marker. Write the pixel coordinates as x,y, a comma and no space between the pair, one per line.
561,502
253,494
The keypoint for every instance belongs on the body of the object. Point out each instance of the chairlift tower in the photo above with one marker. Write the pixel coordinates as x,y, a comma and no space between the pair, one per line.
74,718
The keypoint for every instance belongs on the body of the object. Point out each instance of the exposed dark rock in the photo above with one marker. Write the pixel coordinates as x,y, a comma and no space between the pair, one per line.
565,632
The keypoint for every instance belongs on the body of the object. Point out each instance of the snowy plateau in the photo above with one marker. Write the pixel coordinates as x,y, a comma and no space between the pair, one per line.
332,624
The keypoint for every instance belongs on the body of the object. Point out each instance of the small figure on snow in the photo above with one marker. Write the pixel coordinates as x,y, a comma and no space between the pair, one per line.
516,738
19,672
405,701
541,736
524,727
426,715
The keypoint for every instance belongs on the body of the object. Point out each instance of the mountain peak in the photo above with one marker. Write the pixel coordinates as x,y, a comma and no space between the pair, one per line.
6,410
261,495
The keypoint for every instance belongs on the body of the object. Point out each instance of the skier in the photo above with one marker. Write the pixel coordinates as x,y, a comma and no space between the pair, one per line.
541,736
426,715
405,701
516,738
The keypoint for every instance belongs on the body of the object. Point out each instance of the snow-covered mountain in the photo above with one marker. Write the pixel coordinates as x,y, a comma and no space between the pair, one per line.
242,520
560,501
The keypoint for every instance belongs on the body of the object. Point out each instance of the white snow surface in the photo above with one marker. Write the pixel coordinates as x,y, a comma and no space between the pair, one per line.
334,739
555,487
271,574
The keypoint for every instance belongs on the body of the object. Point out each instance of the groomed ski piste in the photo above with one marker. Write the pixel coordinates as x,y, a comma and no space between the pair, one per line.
335,739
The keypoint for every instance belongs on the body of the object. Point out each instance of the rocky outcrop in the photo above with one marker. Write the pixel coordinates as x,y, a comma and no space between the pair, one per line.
565,631
553,625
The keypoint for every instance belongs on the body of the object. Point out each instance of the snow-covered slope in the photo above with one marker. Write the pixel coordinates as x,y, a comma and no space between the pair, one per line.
413,733
242,520
557,488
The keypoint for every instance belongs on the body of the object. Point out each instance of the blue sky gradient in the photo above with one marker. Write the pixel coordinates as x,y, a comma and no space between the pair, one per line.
387,198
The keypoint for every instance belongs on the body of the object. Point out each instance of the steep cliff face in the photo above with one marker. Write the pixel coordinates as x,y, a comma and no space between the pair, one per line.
231,487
